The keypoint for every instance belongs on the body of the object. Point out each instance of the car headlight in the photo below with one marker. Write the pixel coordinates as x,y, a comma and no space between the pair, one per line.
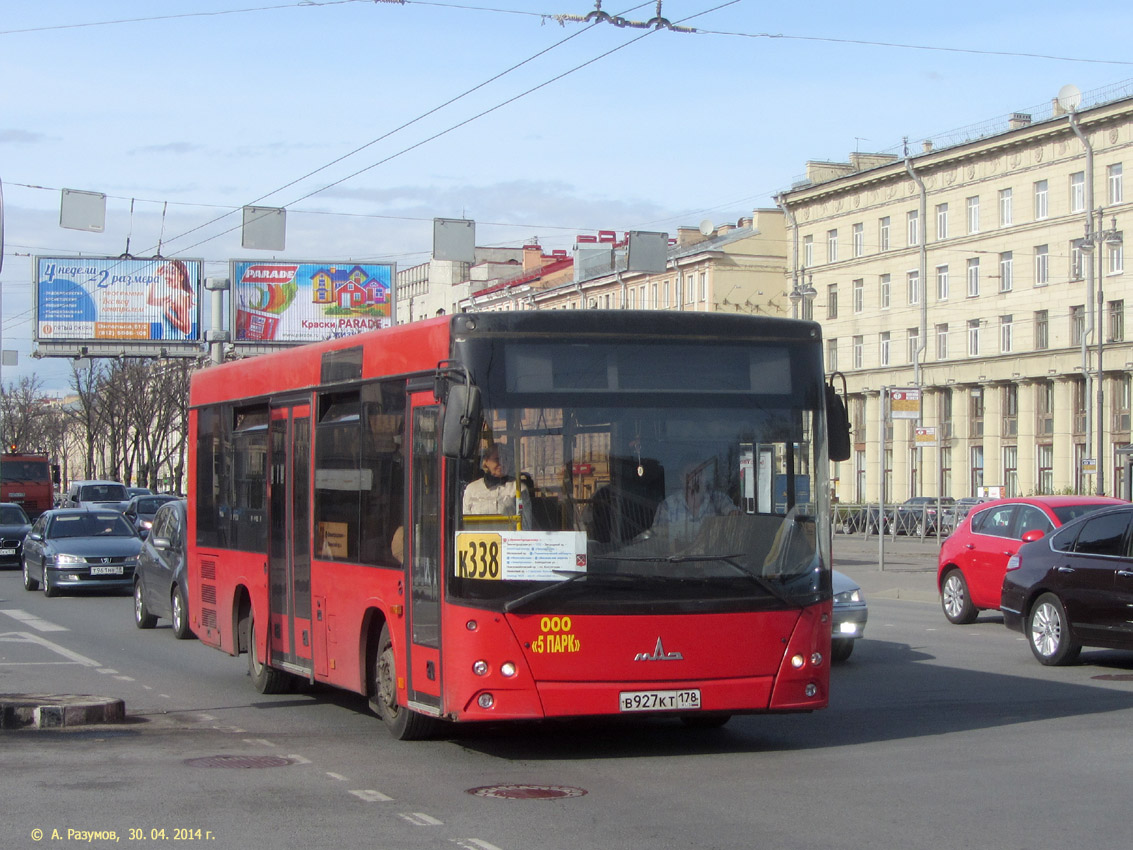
848,596
65,560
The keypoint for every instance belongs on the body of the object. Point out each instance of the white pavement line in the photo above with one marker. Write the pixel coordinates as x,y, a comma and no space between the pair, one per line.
31,620
106,671
336,776
297,759
369,796
263,742
125,678
473,844
74,657
420,819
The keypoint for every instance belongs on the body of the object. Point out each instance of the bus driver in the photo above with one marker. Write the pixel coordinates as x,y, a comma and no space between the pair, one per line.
494,493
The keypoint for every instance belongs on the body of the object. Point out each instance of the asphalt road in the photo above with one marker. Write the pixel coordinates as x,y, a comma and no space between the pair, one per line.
936,736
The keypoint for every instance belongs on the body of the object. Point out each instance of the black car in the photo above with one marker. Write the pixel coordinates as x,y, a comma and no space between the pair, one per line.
918,516
80,549
14,526
140,510
160,588
1073,588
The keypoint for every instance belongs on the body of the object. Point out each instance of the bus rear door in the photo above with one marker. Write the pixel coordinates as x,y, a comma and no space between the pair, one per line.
289,550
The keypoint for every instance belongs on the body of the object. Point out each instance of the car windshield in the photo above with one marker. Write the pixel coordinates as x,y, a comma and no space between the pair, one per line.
90,525
103,493
13,515
149,506
16,471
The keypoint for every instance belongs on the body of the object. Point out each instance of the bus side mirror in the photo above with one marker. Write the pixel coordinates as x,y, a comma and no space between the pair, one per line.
837,426
460,431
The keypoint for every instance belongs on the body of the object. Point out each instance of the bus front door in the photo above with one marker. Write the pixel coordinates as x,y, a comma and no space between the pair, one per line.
424,557
289,550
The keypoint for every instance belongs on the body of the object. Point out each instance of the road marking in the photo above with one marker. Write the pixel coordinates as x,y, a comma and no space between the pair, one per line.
296,759
31,620
264,742
27,637
337,776
420,819
370,796
473,844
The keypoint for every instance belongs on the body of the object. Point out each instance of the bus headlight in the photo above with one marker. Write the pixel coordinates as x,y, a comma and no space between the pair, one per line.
797,661
508,669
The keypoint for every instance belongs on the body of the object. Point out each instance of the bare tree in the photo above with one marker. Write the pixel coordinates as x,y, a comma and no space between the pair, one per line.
25,415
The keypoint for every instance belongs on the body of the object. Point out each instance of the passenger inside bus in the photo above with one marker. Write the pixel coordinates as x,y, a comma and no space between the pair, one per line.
494,493
694,498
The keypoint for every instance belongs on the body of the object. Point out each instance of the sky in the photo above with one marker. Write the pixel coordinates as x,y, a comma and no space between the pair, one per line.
366,119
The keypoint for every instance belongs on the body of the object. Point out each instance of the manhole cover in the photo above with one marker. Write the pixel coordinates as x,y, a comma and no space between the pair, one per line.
1116,677
239,761
527,792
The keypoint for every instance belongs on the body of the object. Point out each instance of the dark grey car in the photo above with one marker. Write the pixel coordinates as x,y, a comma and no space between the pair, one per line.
140,510
80,549
14,526
160,588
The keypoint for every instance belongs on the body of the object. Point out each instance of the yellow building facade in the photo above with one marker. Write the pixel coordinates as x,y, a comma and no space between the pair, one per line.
989,275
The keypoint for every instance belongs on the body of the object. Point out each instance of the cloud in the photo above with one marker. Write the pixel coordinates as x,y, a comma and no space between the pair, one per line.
21,137
170,147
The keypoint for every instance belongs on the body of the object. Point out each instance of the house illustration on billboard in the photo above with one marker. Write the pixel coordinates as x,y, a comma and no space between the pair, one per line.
347,288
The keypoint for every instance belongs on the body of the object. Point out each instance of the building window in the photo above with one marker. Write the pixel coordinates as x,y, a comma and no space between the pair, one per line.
1006,267
942,342
857,347
973,277
914,337
1045,458
1042,203
654,303
1078,192
1081,401
704,287
1006,334
831,246
807,311
913,222
1010,471
976,413
1042,265
941,221
884,287
858,294
808,251
858,235
665,290
973,209
1115,321
942,283
1011,410
1042,330
946,415
1077,324
831,355
1122,398
831,301
977,468
1077,260
1115,192
973,337
883,345
1115,259
1044,408
946,471
913,284
883,234
1005,211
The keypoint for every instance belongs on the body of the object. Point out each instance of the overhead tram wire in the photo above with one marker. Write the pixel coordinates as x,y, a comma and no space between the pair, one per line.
398,129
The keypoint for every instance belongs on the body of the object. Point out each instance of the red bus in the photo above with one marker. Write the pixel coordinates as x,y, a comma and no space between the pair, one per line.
525,515
28,480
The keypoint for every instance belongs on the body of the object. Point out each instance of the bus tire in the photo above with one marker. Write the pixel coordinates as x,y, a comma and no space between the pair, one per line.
265,679
403,723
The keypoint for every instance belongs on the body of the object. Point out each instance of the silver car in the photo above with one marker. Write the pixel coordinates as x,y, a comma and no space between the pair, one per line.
80,549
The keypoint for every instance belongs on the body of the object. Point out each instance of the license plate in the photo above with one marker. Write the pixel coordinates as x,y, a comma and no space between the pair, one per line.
106,571
686,700
7,551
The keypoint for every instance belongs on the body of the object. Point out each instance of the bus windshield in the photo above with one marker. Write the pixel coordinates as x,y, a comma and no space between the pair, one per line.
704,493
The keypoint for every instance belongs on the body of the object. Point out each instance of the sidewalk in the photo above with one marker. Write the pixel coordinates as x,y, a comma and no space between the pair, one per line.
909,570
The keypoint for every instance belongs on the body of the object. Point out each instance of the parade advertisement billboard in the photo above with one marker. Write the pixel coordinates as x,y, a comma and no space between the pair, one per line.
111,299
290,301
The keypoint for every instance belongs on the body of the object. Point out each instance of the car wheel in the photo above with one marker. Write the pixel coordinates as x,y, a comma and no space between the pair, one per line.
847,526
1048,632
403,724
29,582
49,590
265,679
841,648
955,599
143,619
179,614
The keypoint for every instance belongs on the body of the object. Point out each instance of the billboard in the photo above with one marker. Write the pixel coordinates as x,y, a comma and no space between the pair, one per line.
285,301
111,299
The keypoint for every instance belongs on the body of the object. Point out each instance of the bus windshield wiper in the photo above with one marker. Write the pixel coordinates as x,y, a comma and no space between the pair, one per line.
574,576
731,561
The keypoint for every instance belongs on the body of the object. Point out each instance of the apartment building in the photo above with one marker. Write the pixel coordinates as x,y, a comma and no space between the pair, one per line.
989,275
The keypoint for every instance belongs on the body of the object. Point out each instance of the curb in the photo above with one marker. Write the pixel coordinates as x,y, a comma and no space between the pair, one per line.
46,711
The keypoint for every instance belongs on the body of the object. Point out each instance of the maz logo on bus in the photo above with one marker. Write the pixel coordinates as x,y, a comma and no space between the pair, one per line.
659,654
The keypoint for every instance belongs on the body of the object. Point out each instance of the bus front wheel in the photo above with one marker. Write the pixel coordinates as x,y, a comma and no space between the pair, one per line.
403,724
265,679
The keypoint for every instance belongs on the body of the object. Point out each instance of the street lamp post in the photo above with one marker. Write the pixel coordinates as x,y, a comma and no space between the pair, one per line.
1098,236
802,293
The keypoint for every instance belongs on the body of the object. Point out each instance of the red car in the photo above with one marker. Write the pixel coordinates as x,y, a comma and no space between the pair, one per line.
973,560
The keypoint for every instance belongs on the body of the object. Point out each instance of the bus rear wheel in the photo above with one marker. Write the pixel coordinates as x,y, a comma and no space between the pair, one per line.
403,723
265,679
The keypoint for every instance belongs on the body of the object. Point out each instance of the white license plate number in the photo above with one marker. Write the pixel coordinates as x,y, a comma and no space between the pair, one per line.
686,700
7,551
106,571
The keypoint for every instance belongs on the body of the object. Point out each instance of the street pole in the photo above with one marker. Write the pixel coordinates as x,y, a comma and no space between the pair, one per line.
1100,475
